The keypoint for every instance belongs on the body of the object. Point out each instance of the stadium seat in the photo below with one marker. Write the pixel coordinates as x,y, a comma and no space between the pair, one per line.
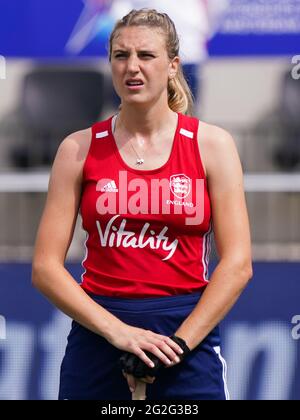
287,152
54,102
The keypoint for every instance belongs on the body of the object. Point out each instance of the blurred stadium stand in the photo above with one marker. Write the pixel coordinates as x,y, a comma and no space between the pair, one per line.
287,151
54,102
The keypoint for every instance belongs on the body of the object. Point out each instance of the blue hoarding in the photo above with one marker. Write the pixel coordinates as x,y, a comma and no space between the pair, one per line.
259,27
56,29
261,336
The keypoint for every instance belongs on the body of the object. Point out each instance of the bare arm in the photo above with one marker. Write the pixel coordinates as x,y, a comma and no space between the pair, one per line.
53,239
231,228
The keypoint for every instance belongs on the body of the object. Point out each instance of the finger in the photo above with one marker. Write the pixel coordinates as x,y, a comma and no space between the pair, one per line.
170,353
148,379
152,348
173,345
167,340
172,364
142,355
131,380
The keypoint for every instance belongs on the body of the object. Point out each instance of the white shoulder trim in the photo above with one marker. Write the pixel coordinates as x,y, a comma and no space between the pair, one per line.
187,133
102,134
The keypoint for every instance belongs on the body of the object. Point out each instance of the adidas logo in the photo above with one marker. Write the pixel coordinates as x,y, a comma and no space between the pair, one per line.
110,187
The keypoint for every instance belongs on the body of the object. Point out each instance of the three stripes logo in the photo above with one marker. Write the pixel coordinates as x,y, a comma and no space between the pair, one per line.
110,187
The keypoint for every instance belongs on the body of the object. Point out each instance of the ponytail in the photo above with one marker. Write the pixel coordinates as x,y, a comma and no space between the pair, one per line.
180,98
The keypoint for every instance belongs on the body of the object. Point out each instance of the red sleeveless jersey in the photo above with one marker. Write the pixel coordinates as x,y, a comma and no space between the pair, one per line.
147,231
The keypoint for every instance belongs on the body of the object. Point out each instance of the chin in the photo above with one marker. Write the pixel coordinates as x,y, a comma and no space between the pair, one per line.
136,101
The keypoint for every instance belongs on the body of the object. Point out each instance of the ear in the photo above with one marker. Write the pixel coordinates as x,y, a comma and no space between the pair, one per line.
173,67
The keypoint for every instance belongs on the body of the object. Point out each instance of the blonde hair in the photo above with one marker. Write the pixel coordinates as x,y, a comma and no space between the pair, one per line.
180,98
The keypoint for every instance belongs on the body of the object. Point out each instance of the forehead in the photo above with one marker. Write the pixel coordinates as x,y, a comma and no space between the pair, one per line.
140,38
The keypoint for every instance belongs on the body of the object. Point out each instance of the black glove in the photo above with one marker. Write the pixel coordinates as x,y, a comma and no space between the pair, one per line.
132,364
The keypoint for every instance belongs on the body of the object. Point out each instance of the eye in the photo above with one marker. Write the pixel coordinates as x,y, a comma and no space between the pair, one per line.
146,55
120,55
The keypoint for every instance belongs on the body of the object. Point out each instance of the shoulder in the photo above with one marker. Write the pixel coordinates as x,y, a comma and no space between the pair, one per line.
216,146
71,154
213,138
75,147
76,143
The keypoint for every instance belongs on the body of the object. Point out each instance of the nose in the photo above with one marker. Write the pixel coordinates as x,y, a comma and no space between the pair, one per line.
133,64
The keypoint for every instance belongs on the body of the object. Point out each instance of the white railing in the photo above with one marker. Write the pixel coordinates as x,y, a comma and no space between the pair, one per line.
254,182
274,218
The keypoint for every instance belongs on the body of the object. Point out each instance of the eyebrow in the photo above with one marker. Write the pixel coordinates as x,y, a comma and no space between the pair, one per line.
139,51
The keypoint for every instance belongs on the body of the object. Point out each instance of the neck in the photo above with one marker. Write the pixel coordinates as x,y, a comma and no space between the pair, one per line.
145,123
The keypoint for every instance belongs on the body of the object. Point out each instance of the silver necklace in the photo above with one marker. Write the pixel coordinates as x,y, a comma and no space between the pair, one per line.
139,160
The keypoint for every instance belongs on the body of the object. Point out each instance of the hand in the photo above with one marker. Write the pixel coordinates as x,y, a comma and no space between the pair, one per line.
132,380
139,341
132,364
133,367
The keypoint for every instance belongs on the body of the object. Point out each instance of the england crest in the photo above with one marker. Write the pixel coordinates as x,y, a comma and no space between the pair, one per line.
180,185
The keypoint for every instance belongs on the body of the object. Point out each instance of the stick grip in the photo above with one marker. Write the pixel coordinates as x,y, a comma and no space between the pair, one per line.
140,391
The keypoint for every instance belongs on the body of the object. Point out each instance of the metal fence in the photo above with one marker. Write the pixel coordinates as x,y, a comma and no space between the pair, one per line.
273,202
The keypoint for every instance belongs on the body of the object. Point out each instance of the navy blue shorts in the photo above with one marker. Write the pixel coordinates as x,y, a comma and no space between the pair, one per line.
90,368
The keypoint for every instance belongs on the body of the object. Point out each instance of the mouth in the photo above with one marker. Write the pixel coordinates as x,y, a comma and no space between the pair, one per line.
134,84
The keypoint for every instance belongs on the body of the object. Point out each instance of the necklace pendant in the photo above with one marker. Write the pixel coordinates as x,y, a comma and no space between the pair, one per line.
139,161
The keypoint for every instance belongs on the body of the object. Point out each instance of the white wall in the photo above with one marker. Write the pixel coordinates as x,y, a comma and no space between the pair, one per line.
239,90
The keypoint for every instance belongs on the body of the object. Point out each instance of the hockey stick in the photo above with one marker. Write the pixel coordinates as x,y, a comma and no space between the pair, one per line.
140,391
